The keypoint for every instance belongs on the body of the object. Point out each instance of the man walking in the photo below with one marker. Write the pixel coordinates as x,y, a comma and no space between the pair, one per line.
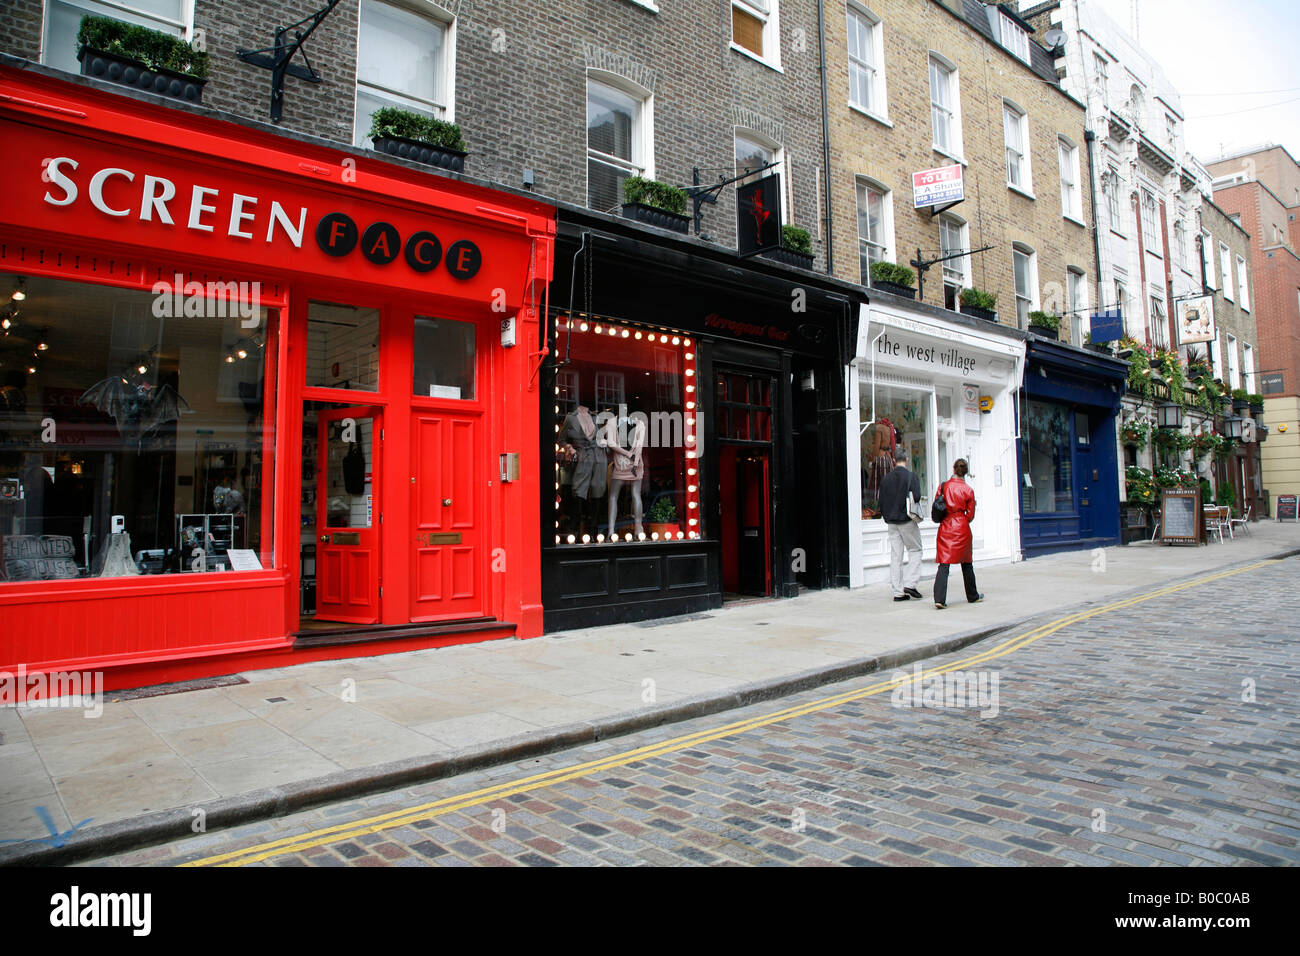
900,494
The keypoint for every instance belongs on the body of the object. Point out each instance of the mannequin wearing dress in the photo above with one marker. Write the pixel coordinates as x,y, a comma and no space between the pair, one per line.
582,443
629,466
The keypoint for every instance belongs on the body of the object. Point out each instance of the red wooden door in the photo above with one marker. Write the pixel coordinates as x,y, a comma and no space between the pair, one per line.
448,574
347,515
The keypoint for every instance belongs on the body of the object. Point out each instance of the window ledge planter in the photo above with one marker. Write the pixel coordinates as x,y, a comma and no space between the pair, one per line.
1240,405
653,216
976,312
1043,332
791,257
1101,348
439,156
906,291
125,71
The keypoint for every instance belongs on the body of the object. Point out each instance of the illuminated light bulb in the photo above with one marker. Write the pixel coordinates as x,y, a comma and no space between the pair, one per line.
637,336
31,370
677,340
690,371
18,295
586,539
243,354
680,535
690,439
43,346
557,390
5,323
596,330
600,538
557,539
690,405
694,535
690,454
690,471
690,388
641,536
689,356
654,535
626,333
686,341
693,521
692,504
692,488
583,327
557,409
230,360
651,336
690,422
557,486
629,536
571,539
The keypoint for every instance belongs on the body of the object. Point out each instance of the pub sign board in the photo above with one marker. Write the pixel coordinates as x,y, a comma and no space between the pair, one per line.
1286,507
758,215
1180,517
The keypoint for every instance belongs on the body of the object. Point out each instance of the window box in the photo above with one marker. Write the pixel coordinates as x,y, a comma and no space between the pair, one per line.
126,71
652,216
893,288
1240,405
417,152
792,257
1101,348
977,312
893,278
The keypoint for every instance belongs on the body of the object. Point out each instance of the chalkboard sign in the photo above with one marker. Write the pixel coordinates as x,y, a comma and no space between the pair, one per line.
1180,517
1286,508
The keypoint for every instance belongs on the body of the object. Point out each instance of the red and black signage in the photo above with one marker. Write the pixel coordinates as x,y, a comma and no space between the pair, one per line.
758,215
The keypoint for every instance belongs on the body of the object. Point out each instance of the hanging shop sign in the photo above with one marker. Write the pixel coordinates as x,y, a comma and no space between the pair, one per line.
758,215
1196,320
1106,326
933,187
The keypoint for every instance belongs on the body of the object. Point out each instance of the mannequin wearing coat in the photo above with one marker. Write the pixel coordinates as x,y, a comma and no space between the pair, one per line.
954,542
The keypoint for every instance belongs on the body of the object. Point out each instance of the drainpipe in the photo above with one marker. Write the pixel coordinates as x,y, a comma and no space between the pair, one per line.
826,136
1090,138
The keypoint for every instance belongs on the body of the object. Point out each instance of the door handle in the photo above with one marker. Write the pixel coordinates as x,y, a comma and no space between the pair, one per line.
446,502
325,539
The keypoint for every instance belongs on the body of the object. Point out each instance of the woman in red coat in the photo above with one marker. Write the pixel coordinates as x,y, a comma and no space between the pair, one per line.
954,540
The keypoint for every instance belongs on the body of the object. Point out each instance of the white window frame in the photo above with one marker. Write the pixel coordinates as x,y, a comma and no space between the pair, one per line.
1110,191
1207,259
956,148
1180,246
1243,286
771,20
1152,241
1014,116
1101,74
1158,321
610,391
955,271
1225,269
642,161
1028,296
402,99
118,10
886,243
878,93
1230,361
778,157
1248,368
1171,135
1014,37
1076,300
1067,155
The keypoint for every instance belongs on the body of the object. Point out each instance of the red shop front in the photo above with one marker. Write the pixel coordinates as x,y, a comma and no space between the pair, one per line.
262,400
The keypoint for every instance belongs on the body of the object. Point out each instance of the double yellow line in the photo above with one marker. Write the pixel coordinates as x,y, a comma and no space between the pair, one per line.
397,818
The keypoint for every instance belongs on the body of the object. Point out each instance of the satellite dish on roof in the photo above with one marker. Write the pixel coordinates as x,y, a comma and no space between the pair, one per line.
1054,40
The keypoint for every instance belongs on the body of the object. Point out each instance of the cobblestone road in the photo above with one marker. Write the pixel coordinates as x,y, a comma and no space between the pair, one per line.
1163,733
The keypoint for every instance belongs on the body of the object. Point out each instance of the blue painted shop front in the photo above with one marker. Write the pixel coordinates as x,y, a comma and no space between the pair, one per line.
1068,453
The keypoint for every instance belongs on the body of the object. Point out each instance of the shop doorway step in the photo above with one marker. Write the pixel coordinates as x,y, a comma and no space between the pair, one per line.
354,634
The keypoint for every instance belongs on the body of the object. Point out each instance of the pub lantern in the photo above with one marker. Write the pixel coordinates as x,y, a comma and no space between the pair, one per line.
1232,427
1170,415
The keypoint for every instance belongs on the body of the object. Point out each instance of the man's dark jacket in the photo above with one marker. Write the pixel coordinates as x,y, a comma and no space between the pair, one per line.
899,485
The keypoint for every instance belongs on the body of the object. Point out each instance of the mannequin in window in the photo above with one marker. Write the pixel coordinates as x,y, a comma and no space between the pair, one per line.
629,465
586,450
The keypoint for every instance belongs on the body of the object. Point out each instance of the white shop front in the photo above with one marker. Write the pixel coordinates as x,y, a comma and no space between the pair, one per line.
944,389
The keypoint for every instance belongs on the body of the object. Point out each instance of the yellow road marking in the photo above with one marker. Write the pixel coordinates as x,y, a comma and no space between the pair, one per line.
386,821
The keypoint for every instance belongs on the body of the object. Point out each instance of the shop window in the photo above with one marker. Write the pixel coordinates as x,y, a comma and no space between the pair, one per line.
618,141
444,358
898,416
135,434
63,20
743,407
402,61
626,426
1046,482
342,347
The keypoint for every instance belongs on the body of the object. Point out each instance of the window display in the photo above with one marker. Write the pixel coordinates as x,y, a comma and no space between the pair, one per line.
900,416
131,432
1045,459
626,427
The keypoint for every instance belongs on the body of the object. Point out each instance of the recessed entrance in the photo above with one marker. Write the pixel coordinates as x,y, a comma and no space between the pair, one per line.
743,408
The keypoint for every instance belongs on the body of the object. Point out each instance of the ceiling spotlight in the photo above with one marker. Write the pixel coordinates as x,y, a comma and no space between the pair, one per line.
230,359
242,353
19,293
6,323
31,370
142,368
43,346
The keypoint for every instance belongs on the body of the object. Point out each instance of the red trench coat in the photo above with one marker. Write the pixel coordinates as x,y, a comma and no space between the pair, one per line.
953,543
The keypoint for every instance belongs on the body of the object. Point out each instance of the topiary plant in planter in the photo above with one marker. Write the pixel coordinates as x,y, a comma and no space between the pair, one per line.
796,248
891,277
141,58
419,138
979,303
662,519
655,203
1045,323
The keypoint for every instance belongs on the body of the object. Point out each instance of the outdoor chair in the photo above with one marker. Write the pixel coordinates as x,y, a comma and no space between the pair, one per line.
1244,521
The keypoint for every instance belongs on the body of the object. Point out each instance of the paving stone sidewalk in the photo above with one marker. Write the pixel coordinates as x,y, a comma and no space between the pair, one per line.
295,733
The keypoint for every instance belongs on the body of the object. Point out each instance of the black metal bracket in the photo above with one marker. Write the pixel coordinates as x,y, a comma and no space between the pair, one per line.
701,194
282,52
920,265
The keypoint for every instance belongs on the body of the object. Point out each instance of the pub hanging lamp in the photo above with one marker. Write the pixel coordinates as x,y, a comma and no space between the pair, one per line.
1232,427
1170,415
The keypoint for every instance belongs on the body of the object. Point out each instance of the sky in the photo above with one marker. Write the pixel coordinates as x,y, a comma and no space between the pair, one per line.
1233,63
